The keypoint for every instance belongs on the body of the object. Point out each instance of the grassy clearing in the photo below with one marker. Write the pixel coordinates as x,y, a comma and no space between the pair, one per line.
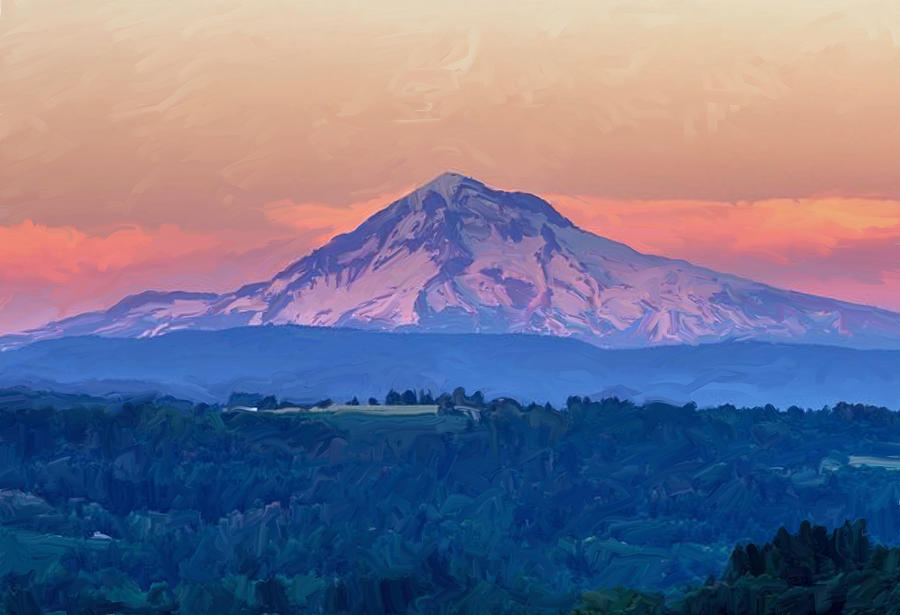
888,463
365,409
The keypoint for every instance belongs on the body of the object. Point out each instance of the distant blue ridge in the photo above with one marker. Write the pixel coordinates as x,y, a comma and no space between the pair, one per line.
310,363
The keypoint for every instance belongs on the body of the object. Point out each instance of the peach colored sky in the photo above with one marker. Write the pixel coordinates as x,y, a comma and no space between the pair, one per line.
199,144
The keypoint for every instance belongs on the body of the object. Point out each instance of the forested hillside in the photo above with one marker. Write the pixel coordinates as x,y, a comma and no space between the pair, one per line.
812,572
157,505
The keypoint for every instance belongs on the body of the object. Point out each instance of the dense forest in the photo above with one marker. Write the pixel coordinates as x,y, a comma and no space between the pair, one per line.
811,572
152,505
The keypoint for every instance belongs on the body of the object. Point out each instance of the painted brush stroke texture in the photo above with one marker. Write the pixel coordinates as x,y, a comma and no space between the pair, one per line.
309,364
178,123
427,307
152,504
456,256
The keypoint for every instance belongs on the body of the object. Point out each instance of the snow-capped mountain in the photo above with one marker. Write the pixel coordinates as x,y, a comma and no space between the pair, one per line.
457,256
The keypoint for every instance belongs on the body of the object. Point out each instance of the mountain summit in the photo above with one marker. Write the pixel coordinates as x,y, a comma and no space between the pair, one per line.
458,256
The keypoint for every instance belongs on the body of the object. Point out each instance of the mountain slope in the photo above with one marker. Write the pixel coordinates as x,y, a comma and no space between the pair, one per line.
457,256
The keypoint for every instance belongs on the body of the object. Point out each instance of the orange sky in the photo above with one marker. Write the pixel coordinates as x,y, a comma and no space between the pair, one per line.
202,143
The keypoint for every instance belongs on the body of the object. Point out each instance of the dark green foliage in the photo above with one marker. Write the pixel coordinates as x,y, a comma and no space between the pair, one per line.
811,572
268,403
619,601
153,505
244,399
407,398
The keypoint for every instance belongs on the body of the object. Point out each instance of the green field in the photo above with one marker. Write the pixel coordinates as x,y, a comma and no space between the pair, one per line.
398,410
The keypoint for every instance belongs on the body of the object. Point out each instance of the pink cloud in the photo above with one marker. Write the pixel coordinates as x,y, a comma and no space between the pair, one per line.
60,254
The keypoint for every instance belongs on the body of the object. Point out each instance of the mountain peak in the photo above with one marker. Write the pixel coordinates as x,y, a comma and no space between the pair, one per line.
443,191
449,179
460,193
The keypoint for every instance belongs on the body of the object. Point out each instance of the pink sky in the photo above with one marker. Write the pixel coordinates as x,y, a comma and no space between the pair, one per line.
200,145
